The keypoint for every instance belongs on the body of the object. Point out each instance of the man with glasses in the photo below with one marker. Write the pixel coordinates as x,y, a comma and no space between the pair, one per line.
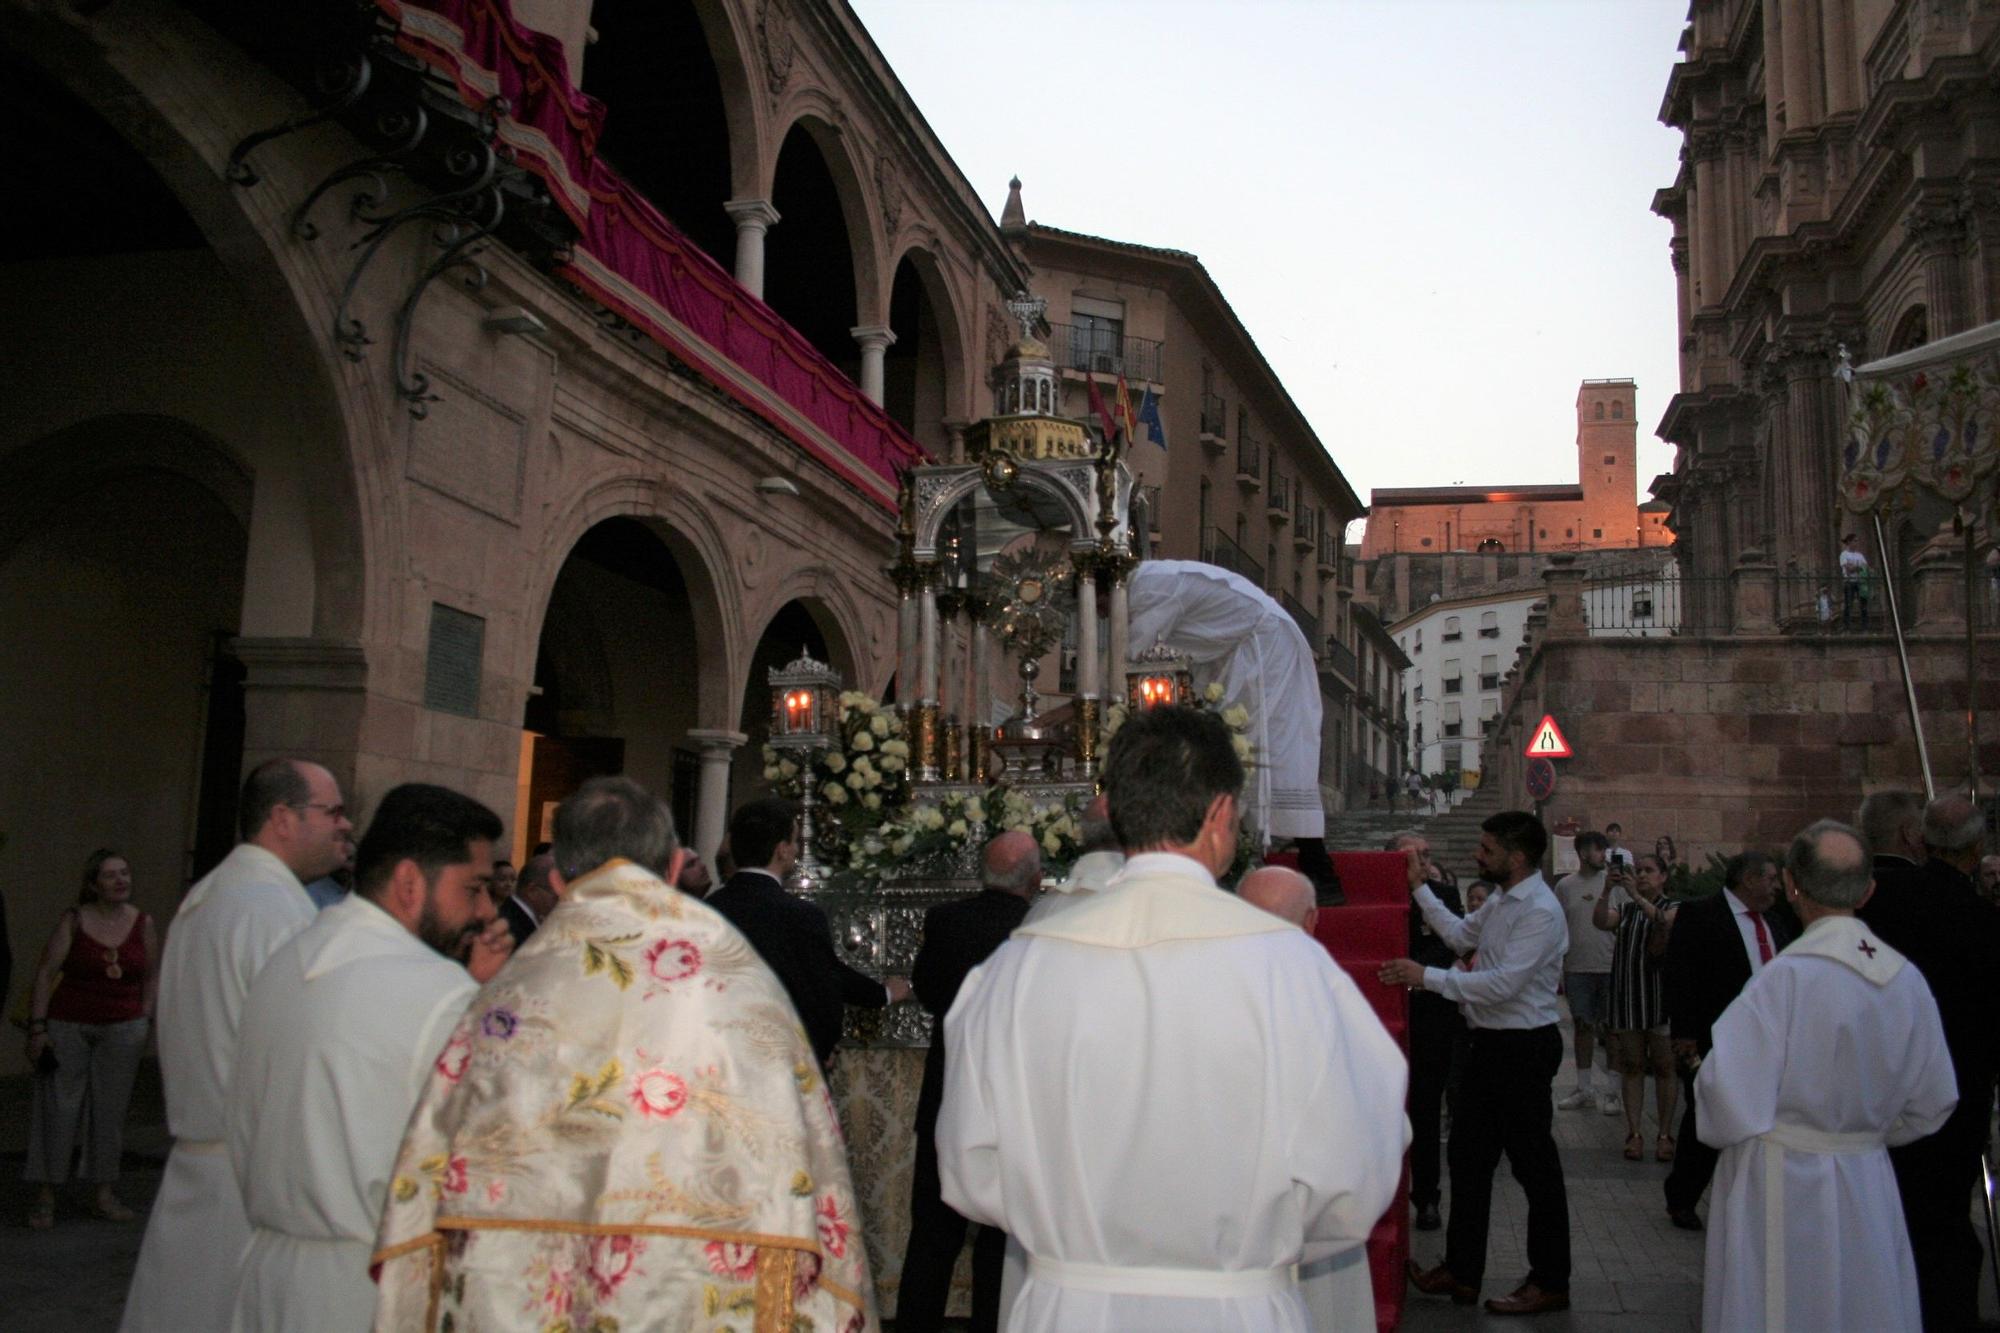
295,829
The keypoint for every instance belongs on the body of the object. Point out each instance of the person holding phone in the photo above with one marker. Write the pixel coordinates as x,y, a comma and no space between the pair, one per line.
1637,1014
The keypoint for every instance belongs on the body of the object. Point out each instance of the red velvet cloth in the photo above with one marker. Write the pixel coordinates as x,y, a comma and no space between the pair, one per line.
1372,929
631,259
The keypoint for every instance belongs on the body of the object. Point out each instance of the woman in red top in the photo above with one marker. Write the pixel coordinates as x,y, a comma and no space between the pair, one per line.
92,1005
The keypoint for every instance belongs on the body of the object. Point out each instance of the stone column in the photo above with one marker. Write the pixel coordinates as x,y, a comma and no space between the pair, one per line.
1754,585
927,642
1809,444
1565,582
1087,661
1938,575
906,638
1121,650
711,801
1937,227
874,340
753,217
307,698
954,439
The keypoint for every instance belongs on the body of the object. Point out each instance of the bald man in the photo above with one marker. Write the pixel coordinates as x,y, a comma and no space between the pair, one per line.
1336,1287
958,936
1284,893
1935,917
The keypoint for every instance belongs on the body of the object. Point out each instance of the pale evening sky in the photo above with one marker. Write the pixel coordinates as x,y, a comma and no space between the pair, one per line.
1432,215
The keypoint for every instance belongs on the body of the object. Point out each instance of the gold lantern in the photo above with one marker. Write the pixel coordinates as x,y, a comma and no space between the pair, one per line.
1158,677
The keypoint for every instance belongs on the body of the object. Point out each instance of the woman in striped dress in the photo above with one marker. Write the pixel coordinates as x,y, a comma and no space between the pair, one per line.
1638,1018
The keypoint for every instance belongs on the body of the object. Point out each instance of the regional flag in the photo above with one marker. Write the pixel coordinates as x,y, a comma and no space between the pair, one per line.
1097,406
1125,409
1149,417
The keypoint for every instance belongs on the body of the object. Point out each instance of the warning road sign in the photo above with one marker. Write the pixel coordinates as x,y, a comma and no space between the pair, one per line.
1548,742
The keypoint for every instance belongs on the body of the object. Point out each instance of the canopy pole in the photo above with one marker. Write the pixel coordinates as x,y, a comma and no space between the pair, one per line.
1903,656
1971,663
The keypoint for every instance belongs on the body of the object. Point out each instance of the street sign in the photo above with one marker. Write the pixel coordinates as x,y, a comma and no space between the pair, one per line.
1548,742
1540,779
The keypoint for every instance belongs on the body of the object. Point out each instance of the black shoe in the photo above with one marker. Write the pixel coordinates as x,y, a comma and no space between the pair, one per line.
1427,1217
1684,1218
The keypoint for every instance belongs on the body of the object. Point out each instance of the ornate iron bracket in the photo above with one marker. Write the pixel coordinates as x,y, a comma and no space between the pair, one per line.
345,84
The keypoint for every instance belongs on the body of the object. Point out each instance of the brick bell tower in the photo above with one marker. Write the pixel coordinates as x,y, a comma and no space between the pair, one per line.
1607,461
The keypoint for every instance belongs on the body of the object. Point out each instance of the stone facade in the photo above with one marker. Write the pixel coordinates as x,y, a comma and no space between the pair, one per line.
226,534
1837,190
1600,511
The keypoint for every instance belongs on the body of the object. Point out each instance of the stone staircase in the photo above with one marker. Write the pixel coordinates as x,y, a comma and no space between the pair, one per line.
1453,835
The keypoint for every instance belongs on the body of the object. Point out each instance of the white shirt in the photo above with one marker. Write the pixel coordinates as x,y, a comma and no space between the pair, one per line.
1521,938
1748,930
1590,949
1853,565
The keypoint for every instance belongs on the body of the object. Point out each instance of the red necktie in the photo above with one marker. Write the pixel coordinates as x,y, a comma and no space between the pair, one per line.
1763,936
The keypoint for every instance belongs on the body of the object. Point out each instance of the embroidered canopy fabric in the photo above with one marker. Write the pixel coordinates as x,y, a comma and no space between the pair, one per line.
633,261
1925,418
627,1120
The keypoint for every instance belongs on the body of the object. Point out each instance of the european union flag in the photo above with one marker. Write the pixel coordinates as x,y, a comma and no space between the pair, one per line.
1149,418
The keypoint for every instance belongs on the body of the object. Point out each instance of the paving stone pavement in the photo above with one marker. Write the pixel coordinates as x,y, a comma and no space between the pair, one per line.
1632,1270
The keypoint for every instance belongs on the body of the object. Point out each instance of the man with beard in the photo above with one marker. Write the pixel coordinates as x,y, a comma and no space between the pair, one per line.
340,1032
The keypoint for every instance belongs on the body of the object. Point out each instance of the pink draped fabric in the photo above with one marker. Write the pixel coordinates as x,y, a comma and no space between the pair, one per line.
634,261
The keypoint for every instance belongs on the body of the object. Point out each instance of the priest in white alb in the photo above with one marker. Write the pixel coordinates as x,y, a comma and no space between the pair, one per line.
295,829
1831,1054
340,1033
1167,1096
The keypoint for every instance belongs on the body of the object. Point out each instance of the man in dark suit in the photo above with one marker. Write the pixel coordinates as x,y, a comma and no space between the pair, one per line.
1932,915
958,936
1436,1028
533,898
791,934
1714,946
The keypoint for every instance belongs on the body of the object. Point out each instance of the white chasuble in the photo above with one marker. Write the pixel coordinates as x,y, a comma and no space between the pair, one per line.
226,927
1169,1099
626,1130
341,1031
1830,1053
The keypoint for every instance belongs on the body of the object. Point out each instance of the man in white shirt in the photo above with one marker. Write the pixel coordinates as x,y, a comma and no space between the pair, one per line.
1587,967
1504,1106
1853,580
1211,1103
340,1033
295,829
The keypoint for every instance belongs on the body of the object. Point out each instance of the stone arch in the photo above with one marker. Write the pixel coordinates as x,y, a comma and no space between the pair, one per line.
178,106
826,596
933,510
812,113
1911,329
681,121
949,323
697,546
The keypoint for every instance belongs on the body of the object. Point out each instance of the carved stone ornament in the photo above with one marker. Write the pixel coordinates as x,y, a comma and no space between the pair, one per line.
889,187
774,35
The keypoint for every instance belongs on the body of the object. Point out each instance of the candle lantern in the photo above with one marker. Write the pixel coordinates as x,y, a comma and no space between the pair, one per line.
1158,677
805,719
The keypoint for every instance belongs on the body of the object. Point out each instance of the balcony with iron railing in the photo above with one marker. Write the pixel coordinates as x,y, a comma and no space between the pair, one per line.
1339,659
1214,423
1151,496
1305,526
1102,351
1220,550
1249,461
1278,497
1307,622
1329,550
